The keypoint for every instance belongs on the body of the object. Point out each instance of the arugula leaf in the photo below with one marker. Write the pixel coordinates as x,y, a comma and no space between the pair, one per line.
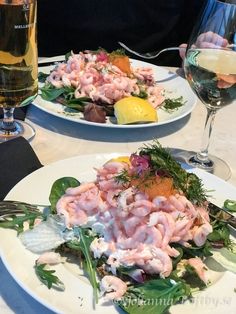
154,297
16,222
59,188
77,104
80,101
193,250
220,236
230,205
50,93
47,277
83,245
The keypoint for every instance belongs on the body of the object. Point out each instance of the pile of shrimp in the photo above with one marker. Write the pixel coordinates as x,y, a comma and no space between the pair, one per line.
133,229
94,76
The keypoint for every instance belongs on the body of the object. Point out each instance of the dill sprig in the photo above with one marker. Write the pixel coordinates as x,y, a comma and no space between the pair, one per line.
173,104
118,52
161,161
188,183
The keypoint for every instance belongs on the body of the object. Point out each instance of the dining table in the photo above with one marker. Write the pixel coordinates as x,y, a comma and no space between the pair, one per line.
58,138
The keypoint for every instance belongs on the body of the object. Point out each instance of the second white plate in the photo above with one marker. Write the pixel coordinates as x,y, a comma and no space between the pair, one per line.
174,85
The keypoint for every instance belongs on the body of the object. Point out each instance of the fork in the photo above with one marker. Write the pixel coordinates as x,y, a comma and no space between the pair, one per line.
155,54
11,208
149,55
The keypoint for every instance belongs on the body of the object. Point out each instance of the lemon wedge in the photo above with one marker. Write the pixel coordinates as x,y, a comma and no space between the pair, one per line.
134,110
120,159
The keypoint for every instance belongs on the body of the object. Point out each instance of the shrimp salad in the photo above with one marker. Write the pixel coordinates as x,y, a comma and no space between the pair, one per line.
142,225
100,78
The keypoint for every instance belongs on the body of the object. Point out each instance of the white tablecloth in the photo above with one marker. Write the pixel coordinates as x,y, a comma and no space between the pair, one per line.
58,139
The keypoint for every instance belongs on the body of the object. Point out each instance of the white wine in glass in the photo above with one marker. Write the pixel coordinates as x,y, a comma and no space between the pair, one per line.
210,68
18,64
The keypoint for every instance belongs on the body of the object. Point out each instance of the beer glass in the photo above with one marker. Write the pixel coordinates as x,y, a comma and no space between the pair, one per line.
18,64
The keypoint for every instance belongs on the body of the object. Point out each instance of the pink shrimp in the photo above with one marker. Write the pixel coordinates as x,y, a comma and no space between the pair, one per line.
63,207
109,184
65,80
86,79
74,207
160,263
55,79
117,229
113,287
78,218
141,208
178,205
80,189
50,258
200,268
142,234
121,83
144,73
114,260
163,204
126,198
163,220
190,210
200,234
112,196
89,90
140,196
130,224
99,247
171,251
73,63
182,226
138,256
203,213
89,200
155,96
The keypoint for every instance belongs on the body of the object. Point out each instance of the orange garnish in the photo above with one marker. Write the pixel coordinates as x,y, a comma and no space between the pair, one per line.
155,186
122,62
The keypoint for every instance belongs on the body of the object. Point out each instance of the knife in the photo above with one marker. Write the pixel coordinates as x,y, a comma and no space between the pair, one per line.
221,214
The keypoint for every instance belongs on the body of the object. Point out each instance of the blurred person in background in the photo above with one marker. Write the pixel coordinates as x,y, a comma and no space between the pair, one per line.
143,25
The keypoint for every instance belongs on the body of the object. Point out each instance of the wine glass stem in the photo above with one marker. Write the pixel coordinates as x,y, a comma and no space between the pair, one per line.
8,124
203,154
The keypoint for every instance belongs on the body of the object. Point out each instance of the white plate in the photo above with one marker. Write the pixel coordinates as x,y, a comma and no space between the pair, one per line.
77,297
175,86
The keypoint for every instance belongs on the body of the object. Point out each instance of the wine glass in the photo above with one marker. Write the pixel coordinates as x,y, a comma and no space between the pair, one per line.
18,64
210,68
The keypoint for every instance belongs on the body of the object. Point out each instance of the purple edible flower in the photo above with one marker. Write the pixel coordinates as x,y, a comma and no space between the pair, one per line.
140,163
102,56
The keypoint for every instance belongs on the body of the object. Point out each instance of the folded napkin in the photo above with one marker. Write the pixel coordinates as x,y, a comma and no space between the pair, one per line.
19,113
17,160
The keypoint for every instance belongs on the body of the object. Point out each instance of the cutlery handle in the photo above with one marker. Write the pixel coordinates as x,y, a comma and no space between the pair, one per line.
222,214
232,222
